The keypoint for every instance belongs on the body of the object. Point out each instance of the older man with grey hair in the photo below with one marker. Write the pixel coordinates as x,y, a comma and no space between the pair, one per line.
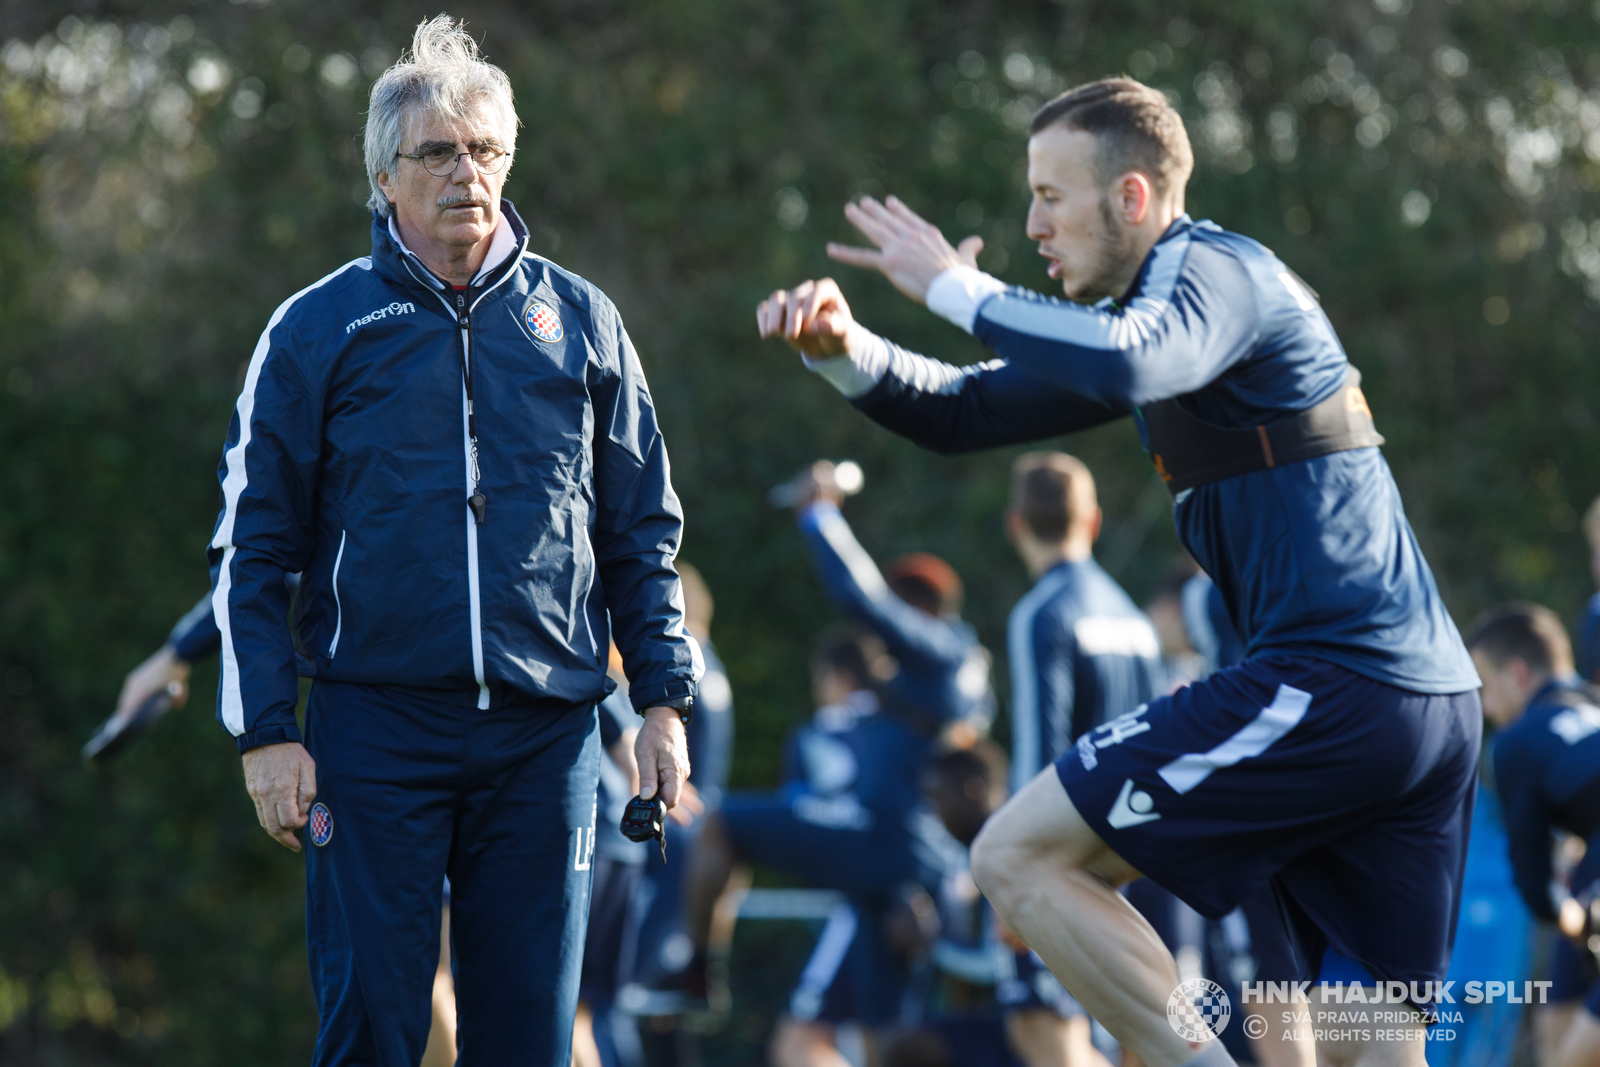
453,440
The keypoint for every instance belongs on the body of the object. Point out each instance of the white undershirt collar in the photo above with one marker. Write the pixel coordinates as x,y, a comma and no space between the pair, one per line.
502,245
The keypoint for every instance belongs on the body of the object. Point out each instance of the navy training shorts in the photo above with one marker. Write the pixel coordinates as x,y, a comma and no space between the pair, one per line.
1348,799
852,975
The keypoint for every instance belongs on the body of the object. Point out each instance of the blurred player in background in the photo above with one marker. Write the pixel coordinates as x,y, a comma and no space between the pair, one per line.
1081,654
1546,758
842,821
1081,651
1588,651
663,947
1356,684
980,1009
914,605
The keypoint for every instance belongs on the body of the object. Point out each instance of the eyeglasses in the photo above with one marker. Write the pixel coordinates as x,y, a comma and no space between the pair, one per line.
442,159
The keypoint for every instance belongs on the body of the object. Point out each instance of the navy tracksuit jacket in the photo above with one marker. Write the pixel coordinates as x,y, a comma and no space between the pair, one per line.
458,652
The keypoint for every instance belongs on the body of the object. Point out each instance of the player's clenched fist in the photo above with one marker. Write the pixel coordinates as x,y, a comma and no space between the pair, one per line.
813,317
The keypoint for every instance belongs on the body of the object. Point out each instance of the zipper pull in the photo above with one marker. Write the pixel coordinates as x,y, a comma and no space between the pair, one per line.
479,504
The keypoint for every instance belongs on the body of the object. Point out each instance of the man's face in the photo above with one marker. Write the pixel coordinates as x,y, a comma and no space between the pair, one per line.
1072,215
1505,687
459,209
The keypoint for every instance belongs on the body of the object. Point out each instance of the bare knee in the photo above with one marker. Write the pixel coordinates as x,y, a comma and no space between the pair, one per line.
803,1044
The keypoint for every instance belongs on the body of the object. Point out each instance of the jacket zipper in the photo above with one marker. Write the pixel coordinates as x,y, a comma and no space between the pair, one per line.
338,608
476,503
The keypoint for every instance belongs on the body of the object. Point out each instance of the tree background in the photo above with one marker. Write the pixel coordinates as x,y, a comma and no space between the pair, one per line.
170,172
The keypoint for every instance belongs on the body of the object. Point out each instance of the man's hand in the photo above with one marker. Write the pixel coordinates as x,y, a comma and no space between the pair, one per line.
911,252
689,805
663,755
818,483
813,317
163,670
282,780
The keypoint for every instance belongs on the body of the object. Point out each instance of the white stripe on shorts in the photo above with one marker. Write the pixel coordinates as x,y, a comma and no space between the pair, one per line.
823,967
1288,707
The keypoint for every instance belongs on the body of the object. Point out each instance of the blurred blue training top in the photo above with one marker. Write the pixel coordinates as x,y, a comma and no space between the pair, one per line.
854,766
1314,558
1081,653
1547,772
1588,650
196,636
944,671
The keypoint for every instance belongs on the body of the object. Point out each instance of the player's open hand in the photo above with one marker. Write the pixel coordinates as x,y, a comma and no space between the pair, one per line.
282,780
663,755
910,252
813,317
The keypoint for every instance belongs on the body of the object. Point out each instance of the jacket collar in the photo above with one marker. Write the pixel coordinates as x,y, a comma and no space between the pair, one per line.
1554,688
1179,226
399,264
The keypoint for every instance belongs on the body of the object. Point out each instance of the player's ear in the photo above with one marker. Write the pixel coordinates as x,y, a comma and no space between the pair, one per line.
1138,196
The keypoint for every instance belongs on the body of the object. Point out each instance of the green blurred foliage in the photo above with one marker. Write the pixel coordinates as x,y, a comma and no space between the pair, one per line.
171,172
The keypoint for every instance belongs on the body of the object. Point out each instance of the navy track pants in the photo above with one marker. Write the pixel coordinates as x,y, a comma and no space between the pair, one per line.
413,788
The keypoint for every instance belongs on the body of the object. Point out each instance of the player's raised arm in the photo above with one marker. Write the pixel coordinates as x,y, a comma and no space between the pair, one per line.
938,405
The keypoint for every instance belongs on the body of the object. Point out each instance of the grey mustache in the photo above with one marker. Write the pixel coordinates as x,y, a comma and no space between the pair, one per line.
456,201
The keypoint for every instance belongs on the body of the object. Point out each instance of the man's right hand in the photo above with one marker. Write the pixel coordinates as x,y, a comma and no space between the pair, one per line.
282,781
812,317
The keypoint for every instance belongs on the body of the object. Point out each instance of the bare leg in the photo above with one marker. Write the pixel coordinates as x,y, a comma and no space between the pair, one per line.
441,1049
1041,1038
711,875
1550,1026
1288,1041
798,1044
1054,882
585,1053
1409,1051
1580,1047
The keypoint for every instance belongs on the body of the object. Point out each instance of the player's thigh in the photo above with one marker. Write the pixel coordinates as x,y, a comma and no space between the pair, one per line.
1041,825
1580,1045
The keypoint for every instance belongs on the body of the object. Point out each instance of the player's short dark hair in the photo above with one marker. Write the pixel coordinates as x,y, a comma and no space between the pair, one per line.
1133,125
1529,632
851,650
1052,491
926,582
983,760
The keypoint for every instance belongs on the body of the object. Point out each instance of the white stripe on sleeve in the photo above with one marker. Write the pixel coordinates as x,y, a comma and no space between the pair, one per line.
233,485
1027,733
957,294
1101,326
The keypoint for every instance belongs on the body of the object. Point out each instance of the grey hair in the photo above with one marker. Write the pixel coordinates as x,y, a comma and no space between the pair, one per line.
442,76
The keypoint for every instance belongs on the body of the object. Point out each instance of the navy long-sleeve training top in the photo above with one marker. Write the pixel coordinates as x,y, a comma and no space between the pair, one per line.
1547,772
1314,558
1081,652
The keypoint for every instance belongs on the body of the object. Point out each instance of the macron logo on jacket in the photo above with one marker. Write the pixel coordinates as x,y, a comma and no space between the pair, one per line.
396,308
